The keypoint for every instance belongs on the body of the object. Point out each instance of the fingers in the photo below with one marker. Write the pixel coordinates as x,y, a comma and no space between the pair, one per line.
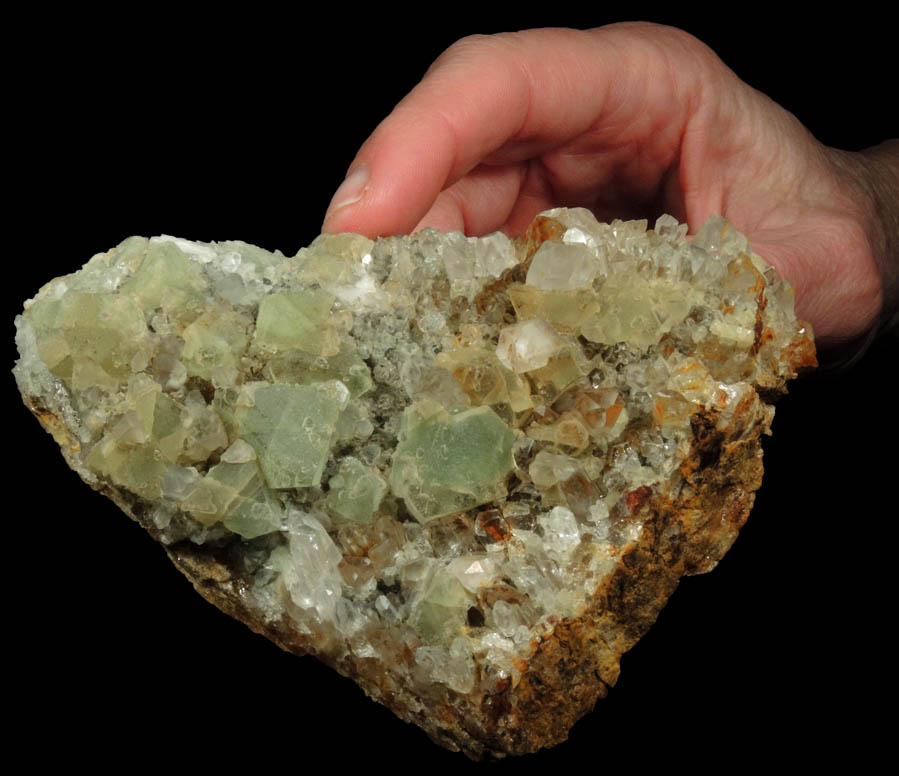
596,106
827,258
469,103
479,203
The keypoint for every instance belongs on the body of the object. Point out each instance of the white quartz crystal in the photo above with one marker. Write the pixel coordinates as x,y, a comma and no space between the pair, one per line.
529,345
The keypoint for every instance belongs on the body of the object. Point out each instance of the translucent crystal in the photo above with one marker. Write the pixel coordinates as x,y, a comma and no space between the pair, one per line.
235,494
439,614
473,571
468,260
297,319
360,490
447,463
310,571
214,340
526,346
289,426
562,267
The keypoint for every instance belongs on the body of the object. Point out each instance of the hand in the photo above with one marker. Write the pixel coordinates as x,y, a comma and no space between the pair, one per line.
630,120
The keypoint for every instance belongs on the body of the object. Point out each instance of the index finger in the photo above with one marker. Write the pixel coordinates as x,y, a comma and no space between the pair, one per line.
504,98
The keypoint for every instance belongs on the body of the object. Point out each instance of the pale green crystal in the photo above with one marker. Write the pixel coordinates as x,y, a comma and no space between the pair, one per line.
168,279
289,427
634,309
130,452
215,340
90,339
235,494
356,491
137,468
298,319
566,311
298,366
334,262
440,611
450,462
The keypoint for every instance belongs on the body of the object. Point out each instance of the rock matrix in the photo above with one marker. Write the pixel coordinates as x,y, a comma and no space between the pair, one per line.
466,472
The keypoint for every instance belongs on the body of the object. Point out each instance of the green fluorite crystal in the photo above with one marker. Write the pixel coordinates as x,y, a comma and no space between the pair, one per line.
298,320
429,452
165,278
356,491
289,426
441,610
235,493
214,342
447,463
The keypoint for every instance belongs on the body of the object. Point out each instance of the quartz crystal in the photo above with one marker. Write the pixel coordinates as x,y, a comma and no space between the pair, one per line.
467,472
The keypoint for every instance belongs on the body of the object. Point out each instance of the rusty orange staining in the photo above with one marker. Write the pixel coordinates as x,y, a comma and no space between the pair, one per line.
637,498
801,352
542,228
492,523
612,414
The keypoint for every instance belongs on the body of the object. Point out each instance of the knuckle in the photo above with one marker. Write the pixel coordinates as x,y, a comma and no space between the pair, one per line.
475,49
661,40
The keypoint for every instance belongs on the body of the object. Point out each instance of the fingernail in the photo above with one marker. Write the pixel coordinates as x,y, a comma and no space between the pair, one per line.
350,191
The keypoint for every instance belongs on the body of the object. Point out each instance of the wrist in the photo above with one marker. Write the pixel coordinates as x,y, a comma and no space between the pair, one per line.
874,176
883,162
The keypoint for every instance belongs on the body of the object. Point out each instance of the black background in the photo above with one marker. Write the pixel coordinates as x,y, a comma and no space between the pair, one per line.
241,128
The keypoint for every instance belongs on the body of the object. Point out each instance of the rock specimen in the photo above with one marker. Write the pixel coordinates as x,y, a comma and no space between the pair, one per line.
467,473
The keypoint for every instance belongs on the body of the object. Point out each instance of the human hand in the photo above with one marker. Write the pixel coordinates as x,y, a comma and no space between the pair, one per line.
630,120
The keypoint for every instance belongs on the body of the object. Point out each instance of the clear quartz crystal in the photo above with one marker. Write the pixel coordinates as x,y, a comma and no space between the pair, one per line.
431,453
562,267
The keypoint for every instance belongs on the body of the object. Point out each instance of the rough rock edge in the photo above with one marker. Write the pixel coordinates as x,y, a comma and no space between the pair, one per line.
685,531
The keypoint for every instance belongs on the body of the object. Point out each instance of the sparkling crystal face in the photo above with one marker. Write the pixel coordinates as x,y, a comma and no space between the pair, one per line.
429,450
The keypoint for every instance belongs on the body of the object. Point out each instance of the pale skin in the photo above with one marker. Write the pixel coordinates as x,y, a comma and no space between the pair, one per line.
631,120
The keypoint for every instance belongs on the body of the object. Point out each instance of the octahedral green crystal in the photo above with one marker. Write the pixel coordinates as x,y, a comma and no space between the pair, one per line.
214,342
166,278
289,426
356,491
449,463
442,608
298,320
300,367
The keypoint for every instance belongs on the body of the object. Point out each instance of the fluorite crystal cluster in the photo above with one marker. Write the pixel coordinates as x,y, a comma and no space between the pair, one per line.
467,472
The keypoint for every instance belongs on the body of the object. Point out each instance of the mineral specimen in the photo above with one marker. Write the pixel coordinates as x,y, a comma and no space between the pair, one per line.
466,472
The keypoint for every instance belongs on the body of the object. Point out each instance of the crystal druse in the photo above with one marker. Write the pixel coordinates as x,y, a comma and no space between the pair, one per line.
466,472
